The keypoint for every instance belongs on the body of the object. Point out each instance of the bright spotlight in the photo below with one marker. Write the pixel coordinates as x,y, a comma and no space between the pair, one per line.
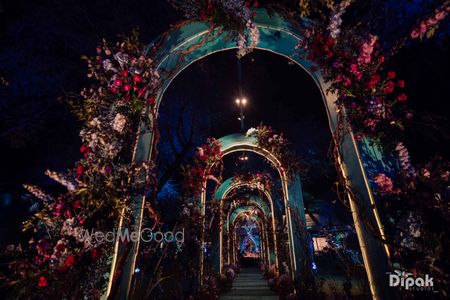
238,101
244,101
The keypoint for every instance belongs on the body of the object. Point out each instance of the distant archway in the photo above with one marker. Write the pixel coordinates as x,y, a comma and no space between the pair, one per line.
223,191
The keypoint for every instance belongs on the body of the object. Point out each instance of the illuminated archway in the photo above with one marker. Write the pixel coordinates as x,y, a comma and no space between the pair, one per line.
189,42
291,190
223,191
239,212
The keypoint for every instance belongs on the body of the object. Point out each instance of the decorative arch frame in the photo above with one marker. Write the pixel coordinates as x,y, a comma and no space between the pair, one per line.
194,40
222,192
236,215
291,190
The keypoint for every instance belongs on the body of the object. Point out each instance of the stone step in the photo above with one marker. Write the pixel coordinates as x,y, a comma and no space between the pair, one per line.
249,285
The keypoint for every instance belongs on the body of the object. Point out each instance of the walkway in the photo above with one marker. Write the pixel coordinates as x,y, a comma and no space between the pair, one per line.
249,285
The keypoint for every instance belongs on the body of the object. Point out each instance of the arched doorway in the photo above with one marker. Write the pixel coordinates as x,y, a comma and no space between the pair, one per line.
188,43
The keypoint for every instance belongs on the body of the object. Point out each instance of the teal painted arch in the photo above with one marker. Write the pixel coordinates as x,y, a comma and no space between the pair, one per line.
186,44
252,201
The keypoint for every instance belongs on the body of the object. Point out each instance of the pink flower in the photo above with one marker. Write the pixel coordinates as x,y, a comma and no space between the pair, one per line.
423,28
80,170
126,87
346,82
440,15
415,33
385,184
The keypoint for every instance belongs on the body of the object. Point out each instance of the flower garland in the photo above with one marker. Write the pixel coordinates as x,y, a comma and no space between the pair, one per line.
207,165
260,180
278,145
234,15
59,259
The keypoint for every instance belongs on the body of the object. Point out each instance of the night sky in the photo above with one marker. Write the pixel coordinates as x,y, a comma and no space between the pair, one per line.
40,49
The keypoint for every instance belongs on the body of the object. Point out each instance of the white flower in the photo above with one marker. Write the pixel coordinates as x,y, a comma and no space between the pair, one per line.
251,131
122,58
37,192
95,122
119,123
62,179
107,65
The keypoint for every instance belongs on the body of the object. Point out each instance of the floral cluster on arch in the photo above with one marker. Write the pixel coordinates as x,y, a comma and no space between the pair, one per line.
276,143
207,165
259,180
100,185
371,101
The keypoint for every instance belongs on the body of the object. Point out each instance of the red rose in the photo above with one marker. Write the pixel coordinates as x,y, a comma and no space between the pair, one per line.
126,87
118,82
389,88
401,83
313,69
114,89
69,261
77,204
42,281
80,170
83,149
391,74
151,100
330,41
373,80
137,78
402,97
124,73
247,3
60,247
256,4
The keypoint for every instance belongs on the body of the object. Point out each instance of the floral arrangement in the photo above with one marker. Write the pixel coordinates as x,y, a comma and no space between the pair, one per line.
412,200
260,180
352,64
234,15
58,259
278,145
207,165
428,27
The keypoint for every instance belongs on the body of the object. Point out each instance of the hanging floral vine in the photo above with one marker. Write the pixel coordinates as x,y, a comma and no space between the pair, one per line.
62,256
259,180
234,16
